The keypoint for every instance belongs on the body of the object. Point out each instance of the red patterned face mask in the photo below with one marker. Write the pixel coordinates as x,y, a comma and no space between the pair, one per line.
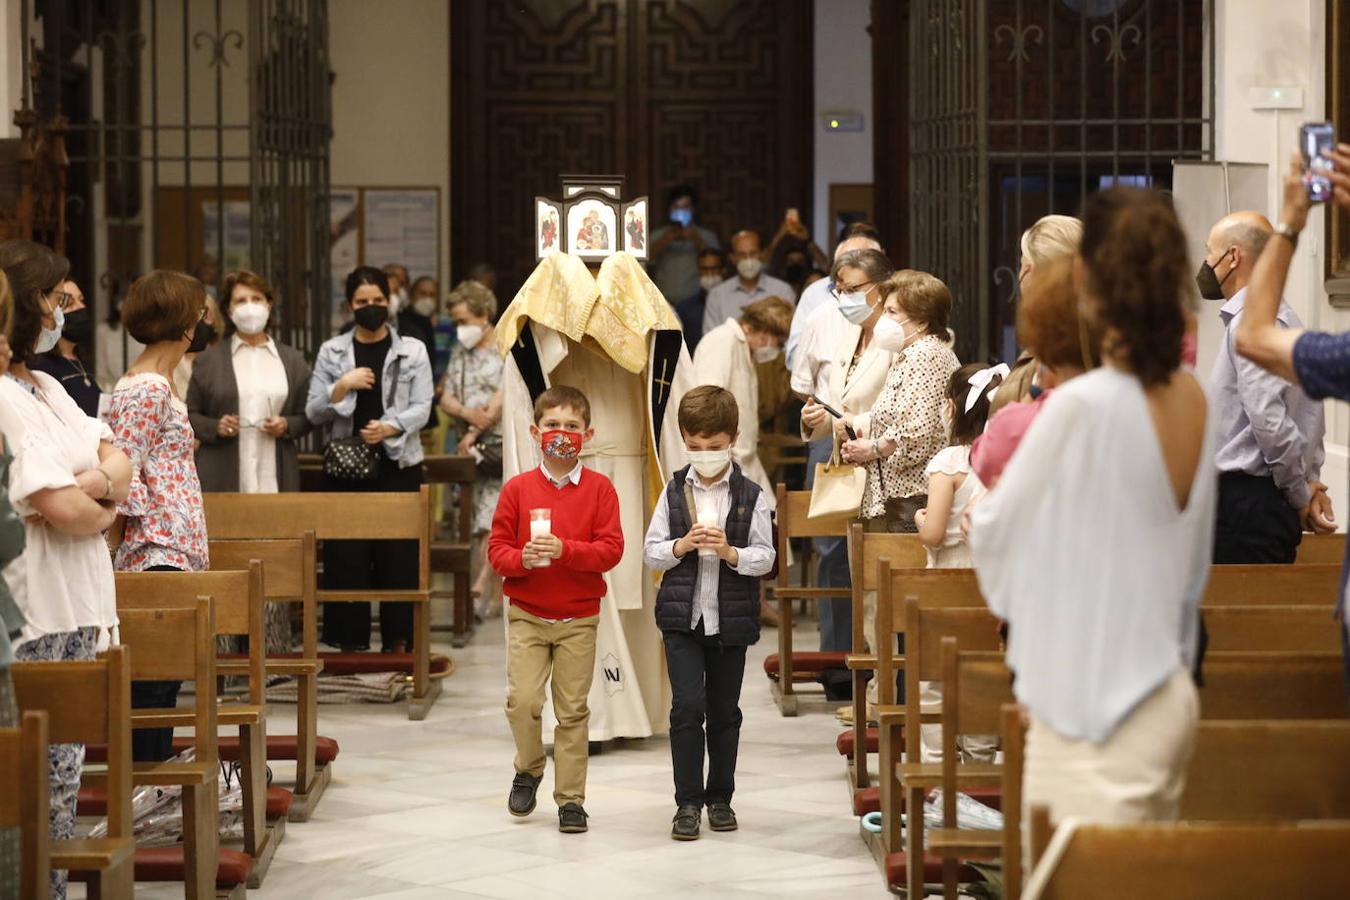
560,444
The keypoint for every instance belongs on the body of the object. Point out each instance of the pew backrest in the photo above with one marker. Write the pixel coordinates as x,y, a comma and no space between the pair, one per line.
177,644
291,571
1263,771
24,799
1295,585
1321,549
1273,685
87,702
1274,628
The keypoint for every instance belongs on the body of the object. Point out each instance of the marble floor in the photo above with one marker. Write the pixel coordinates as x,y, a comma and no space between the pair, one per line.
417,810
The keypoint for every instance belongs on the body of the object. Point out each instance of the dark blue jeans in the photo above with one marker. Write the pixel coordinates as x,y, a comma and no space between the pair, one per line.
705,687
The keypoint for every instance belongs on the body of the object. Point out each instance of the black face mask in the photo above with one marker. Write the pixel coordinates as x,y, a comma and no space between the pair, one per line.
201,338
1211,286
371,317
79,326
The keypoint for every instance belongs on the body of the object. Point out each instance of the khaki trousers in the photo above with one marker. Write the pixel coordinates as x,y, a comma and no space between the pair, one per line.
1136,775
539,651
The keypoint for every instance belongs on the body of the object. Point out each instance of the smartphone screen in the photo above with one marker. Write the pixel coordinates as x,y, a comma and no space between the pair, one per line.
1316,140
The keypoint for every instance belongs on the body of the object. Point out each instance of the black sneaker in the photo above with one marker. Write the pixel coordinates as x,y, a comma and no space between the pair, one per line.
686,822
523,788
721,817
571,818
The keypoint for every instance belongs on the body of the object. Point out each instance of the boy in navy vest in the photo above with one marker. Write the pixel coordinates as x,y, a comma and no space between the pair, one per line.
712,535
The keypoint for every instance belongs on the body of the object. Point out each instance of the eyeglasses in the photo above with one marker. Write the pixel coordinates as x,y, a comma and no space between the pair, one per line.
837,291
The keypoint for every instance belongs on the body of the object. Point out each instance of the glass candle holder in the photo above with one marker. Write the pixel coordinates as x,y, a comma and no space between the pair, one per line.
541,524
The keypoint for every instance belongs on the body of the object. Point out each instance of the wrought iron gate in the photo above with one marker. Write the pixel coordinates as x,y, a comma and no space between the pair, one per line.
947,157
193,129
1059,99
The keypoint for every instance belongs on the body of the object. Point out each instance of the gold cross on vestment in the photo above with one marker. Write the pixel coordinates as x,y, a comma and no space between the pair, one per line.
662,382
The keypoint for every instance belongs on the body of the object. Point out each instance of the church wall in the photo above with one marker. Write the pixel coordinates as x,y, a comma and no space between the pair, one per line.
843,82
391,100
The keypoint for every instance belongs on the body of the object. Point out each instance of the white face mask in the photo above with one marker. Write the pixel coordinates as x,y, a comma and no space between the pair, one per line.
50,336
425,306
709,463
889,335
395,302
250,318
708,282
469,335
750,267
766,354
855,307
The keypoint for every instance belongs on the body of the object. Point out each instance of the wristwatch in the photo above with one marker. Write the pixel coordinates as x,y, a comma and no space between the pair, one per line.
1285,231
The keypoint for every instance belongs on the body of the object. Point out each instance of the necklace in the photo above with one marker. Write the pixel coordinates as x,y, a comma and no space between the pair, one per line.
84,373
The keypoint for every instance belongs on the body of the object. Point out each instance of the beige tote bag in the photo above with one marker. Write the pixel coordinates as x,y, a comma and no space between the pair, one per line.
838,489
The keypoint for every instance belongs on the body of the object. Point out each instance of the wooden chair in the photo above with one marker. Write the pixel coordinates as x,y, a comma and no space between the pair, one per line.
90,703
1195,861
975,688
1321,549
172,644
237,599
347,516
455,557
291,577
871,557
1300,585
784,668
25,800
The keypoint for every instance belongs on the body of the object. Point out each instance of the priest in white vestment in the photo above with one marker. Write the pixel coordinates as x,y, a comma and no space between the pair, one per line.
614,337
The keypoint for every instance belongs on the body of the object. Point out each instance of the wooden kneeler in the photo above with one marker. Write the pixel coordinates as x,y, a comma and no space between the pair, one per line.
25,800
173,644
290,577
238,611
400,515
89,702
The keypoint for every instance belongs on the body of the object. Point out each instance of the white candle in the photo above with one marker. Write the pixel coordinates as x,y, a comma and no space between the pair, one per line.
541,524
708,516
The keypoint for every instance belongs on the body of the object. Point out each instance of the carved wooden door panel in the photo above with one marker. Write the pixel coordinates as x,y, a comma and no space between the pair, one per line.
716,93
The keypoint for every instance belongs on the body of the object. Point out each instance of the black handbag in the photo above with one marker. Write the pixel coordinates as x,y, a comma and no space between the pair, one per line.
489,457
351,458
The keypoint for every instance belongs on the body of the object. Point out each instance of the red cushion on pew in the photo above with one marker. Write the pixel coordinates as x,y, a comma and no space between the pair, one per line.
94,802
166,864
844,743
808,663
897,870
279,746
866,800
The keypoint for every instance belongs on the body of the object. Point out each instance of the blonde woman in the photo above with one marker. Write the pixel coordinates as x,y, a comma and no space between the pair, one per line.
1050,238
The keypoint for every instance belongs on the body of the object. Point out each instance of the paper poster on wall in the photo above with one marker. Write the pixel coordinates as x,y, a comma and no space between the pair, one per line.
400,226
234,251
344,211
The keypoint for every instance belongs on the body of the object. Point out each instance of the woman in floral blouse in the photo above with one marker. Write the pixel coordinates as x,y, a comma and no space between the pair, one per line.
471,394
163,526
906,427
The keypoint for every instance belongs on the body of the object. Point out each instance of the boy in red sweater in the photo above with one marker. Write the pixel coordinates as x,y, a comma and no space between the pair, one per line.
555,533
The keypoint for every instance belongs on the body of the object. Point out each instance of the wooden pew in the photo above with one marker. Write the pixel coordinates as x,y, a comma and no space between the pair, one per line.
237,599
25,800
290,577
1271,628
784,668
1321,549
1298,585
947,610
1276,764
871,557
89,702
1198,861
347,516
172,644
455,557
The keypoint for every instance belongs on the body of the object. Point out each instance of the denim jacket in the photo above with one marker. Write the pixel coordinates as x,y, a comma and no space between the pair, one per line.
412,396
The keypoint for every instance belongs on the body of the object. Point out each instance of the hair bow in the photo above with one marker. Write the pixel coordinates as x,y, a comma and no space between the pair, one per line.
980,381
